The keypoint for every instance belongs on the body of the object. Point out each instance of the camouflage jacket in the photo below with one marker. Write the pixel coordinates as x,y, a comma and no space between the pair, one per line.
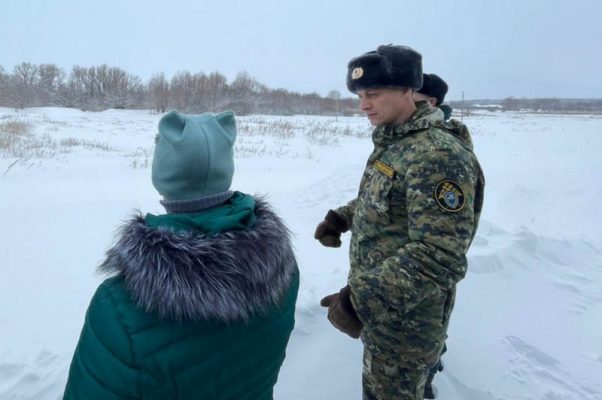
412,222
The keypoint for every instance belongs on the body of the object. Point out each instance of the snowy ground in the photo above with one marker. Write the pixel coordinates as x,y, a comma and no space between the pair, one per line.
528,318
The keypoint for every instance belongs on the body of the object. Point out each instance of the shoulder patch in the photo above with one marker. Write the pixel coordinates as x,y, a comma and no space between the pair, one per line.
449,196
384,168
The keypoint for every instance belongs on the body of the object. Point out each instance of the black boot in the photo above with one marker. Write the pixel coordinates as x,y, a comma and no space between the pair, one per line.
430,392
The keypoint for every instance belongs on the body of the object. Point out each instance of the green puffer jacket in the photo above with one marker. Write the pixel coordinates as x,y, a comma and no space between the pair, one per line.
189,316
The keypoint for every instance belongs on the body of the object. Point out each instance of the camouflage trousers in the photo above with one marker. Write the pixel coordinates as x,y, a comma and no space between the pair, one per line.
387,377
399,352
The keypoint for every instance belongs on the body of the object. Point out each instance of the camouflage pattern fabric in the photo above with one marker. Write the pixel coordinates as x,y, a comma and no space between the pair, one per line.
412,222
386,378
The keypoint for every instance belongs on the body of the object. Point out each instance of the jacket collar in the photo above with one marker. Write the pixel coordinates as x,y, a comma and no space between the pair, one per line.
421,119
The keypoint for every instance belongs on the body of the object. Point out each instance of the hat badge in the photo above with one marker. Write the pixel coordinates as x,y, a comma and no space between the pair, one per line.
357,73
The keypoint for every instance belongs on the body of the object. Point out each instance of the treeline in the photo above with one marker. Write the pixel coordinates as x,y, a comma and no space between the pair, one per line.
102,87
553,105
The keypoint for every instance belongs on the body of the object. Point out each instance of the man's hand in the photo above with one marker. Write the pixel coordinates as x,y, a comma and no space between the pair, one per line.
329,230
341,313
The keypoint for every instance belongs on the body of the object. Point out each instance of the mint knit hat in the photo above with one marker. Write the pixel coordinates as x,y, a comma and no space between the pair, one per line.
193,162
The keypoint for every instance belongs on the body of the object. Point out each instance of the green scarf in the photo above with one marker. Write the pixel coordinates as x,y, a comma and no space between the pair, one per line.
236,214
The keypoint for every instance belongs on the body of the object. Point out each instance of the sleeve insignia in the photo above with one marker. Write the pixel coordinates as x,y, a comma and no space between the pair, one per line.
449,196
384,168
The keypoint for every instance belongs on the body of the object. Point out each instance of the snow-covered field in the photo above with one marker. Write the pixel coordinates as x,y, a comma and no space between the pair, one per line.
528,318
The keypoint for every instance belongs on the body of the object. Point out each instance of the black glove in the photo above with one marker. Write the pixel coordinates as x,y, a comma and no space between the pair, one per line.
329,230
341,313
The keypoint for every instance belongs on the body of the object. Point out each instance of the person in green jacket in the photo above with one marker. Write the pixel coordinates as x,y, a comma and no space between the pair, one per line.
201,300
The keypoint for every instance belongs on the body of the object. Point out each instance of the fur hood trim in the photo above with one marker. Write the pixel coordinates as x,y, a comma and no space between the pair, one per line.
228,277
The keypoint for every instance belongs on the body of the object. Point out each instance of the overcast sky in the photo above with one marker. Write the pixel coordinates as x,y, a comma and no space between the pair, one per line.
486,49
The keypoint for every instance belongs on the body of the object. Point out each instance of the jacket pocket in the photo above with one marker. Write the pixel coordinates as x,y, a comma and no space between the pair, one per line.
378,197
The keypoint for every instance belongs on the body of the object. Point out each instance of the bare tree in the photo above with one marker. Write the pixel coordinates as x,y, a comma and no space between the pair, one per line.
4,81
181,90
50,79
104,87
216,90
80,88
22,84
158,91
199,101
120,88
243,93
278,102
112,86
335,97
69,94
26,73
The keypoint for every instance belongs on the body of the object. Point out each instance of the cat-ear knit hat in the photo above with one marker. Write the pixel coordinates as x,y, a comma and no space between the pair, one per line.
193,162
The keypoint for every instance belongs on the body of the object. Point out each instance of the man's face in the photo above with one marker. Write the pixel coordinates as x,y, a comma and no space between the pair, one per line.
385,106
420,96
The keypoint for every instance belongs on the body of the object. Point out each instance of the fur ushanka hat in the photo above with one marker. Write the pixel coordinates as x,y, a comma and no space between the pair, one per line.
387,66
434,86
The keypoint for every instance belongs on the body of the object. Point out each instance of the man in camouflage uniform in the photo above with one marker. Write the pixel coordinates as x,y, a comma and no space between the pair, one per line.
434,90
411,224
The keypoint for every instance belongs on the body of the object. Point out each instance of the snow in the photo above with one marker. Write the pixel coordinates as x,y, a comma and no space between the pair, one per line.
528,317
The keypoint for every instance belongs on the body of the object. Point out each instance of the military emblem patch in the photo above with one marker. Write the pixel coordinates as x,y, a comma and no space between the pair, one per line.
449,196
357,73
384,168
